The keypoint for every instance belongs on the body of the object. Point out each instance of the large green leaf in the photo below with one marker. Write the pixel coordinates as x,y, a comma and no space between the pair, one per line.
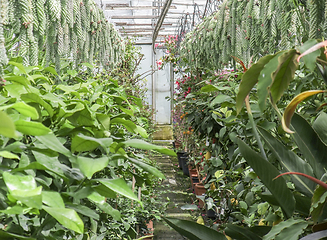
52,142
89,166
147,167
119,186
310,59
104,206
33,97
193,230
31,128
267,172
137,143
7,154
290,229
24,109
320,126
18,79
7,126
24,189
284,74
310,145
237,232
84,210
130,126
52,199
67,217
318,204
291,163
265,80
82,143
316,236
249,79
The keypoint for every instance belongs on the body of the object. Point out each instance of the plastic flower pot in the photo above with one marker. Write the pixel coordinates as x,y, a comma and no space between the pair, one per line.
211,213
179,155
184,160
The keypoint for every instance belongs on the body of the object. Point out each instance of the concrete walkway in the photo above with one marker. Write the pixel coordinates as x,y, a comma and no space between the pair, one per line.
175,189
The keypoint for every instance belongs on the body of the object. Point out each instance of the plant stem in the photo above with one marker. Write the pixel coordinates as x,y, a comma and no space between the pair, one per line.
254,127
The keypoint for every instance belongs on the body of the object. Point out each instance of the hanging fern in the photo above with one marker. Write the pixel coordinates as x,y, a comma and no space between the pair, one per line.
72,29
250,29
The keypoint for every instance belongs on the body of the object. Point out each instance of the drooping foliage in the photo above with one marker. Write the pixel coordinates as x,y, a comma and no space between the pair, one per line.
251,29
49,30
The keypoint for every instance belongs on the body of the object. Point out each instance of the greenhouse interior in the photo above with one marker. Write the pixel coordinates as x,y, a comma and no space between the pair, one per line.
163,119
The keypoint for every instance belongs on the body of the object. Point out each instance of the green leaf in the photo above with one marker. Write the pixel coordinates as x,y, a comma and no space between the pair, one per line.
7,154
52,199
310,145
237,232
89,166
221,99
137,143
10,236
31,128
130,126
265,80
147,168
267,172
193,230
26,110
104,206
320,126
290,162
33,97
81,144
52,142
20,66
318,203
119,186
104,119
7,126
290,229
24,189
310,59
249,79
18,79
83,210
67,217
209,88
316,236
284,74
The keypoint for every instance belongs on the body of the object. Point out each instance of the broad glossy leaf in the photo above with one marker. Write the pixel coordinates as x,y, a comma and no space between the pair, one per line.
316,236
209,88
310,145
119,186
52,142
310,59
82,143
193,230
104,206
130,126
31,198
289,111
290,229
15,90
237,232
7,154
89,166
313,49
26,110
33,97
147,167
52,199
249,79
66,217
320,126
284,74
267,172
290,162
10,236
265,80
104,119
84,210
318,203
221,99
31,128
20,66
18,79
7,126
137,143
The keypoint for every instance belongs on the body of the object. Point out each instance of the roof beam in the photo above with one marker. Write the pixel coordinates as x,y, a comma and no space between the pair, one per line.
123,24
134,7
134,17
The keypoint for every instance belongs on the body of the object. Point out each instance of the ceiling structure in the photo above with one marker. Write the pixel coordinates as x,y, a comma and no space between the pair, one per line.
138,18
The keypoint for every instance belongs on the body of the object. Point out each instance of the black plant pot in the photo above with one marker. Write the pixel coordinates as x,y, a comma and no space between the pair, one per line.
179,155
184,160
211,213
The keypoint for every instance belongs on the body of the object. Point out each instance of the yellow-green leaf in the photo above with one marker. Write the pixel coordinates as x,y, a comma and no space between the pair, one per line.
289,111
31,128
7,126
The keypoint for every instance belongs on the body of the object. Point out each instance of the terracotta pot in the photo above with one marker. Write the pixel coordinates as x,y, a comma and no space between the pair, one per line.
199,189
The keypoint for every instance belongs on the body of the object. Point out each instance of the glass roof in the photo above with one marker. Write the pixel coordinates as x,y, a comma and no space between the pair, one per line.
138,18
